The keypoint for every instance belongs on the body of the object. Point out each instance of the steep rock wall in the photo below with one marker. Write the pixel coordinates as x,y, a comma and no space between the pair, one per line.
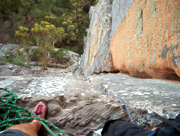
105,19
147,42
119,9
96,57
141,37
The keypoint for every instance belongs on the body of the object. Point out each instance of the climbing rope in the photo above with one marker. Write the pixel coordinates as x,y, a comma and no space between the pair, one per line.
11,114
122,100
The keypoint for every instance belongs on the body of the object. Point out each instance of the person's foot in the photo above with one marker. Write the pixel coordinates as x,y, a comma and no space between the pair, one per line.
40,109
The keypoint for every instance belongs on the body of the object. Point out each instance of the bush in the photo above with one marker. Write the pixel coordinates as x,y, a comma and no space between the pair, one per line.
37,54
60,55
16,59
36,13
2,61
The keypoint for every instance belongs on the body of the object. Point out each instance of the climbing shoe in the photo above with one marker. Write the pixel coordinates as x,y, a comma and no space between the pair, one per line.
40,109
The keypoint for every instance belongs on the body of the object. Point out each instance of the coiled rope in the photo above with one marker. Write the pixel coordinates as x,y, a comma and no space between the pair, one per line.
11,114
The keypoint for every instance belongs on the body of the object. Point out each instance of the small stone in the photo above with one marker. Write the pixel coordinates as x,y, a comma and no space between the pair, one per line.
154,129
62,101
150,124
143,111
53,109
114,106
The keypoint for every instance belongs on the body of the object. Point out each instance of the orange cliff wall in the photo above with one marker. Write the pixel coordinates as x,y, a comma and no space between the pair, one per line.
147,42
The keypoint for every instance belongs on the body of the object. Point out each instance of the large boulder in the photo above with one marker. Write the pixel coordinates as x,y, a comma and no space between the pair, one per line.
138,37
6,48
14,70
73,57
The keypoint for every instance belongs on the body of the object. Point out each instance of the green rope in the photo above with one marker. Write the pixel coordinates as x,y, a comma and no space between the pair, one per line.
11,114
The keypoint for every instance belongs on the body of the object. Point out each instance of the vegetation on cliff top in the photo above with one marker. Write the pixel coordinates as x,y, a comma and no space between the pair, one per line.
46,24
68,16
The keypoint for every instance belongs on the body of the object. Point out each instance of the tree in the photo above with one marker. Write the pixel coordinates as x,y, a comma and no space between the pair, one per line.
46,35
23,35
7,7
69,17
75,22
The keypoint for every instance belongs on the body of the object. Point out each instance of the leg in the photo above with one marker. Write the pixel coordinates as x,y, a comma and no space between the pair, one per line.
31,128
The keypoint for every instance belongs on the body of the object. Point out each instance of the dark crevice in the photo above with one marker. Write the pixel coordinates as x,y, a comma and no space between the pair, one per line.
171,76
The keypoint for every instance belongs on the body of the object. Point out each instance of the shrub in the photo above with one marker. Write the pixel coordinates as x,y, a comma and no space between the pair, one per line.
46,34
37,54
2,61
17,59
22,36
60,55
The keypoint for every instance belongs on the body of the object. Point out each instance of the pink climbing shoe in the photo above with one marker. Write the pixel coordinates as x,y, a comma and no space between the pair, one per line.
40,109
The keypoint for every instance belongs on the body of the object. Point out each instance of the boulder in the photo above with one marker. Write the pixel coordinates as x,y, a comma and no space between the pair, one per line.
14,70
6,48
73,57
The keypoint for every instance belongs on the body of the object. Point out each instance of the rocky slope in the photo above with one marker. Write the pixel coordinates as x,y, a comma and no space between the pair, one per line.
76,104
69,59
138,37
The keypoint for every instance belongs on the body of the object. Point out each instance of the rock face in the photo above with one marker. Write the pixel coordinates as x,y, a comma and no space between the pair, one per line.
147,42
119,9
96,57
79,114
76,104
8,48
143,38
14,70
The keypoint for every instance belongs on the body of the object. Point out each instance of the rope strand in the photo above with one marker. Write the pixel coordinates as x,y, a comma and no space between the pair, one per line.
8,108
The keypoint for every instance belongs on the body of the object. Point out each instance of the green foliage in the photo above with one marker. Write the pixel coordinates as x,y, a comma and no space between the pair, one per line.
58,23
6,25
59,54
17,59
75,22
7,7
65,4
37,54
94,2
2,62
44,63
51,18
46,34
36,13
22,35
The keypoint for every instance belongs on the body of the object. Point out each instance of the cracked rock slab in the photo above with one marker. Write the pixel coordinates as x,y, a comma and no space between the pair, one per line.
75,104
